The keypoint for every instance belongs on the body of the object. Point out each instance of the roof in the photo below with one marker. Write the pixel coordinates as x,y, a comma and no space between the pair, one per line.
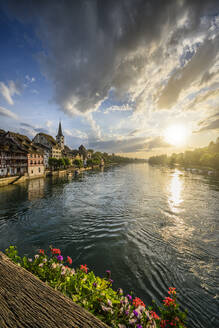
49,138
19,137
23,142
43,147
60,131
7,144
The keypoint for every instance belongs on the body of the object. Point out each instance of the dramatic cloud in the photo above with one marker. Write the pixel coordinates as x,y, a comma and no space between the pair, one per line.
7,113
9,91
136,47
184,77
123,70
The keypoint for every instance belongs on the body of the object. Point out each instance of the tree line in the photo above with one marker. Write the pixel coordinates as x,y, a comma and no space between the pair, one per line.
201,157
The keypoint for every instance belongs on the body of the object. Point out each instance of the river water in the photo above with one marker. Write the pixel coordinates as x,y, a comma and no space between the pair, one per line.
152,227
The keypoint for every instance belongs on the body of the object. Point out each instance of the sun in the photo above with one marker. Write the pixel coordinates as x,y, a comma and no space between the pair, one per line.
175,135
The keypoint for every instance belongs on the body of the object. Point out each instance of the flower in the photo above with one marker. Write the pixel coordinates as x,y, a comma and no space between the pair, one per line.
137,301
132,321
41,265
30,260
129,297
135,313
41,251
109,303
95,284
154,315
55,251
44,260
69,260
168,301
84,268
139,326
172,291
163,323
54,265
111,281
108,272
36,256
72,272
60,258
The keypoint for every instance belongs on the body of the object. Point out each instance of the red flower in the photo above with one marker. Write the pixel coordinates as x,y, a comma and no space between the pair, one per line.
169,301
163,324
55,251
84,268
41,251
172,291
69,260
154,315
137,301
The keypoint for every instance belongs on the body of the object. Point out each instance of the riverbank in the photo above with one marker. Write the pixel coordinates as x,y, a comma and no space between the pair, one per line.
69,171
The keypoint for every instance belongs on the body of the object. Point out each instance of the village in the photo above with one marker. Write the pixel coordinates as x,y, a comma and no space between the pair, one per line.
22,157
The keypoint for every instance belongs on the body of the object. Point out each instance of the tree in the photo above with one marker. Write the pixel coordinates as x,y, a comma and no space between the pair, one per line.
66,161
78,163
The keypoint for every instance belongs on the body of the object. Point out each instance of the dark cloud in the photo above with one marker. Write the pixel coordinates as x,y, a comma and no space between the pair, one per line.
92,46
184,77
129,145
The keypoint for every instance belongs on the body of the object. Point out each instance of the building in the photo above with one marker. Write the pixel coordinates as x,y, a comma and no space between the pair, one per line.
35,162
46,154
13,159
49,142
60,138
34,155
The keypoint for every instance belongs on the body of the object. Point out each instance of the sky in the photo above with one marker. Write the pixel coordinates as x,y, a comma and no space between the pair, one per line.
133,77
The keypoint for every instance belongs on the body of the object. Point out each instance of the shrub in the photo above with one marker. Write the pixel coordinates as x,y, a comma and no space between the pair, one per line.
96,294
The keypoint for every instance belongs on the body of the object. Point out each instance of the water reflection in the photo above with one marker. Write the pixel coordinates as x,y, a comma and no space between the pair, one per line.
36,189
175,190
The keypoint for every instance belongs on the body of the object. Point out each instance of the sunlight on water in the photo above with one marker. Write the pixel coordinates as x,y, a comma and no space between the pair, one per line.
175,189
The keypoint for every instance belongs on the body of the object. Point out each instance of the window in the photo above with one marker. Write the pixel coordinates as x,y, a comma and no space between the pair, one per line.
39,169
31,162
31,171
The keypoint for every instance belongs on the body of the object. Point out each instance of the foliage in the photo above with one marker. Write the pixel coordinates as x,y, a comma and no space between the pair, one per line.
58,163
78,163
66,161
96,294
203,157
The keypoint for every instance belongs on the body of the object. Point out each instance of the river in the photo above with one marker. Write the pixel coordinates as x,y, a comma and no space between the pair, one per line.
152,227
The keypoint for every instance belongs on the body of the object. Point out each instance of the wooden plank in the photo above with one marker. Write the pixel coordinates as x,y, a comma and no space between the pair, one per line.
27,302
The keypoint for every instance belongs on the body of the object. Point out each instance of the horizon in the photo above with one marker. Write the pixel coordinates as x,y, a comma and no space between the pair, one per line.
134,78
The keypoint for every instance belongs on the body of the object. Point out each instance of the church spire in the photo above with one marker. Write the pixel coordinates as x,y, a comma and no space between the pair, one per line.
60,130
60,138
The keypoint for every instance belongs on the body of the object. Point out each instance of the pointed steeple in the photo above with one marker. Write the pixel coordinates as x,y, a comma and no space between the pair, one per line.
60,130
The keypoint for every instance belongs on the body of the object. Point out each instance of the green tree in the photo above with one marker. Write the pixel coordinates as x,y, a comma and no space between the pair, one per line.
78,163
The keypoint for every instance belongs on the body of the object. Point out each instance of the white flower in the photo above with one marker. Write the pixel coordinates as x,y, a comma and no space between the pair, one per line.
41,265
36,256
30,260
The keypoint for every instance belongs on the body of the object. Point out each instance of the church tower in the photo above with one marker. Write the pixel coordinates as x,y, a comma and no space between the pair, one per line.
60,137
